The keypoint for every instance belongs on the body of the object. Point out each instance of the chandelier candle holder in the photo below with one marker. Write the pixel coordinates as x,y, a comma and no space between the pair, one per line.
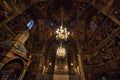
61,52
62,33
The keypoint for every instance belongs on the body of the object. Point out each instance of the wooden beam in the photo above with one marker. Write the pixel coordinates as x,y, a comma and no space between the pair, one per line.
14,6
9,31
109,16
3,24
13,16
106,41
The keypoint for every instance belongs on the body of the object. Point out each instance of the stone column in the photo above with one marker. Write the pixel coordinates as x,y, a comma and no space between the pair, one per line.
81,69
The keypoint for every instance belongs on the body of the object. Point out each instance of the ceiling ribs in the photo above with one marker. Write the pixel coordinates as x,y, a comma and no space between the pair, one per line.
105,41
109,16
9,18
110,37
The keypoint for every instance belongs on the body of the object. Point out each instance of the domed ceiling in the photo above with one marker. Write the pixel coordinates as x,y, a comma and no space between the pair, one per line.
62,11
89,22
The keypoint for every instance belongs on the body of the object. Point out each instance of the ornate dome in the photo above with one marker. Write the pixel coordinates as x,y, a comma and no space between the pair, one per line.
13,44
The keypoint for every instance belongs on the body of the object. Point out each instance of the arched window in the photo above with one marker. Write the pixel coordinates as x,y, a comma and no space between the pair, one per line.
30,24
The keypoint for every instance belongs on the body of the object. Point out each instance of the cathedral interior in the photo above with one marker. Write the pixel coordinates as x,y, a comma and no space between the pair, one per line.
59,39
